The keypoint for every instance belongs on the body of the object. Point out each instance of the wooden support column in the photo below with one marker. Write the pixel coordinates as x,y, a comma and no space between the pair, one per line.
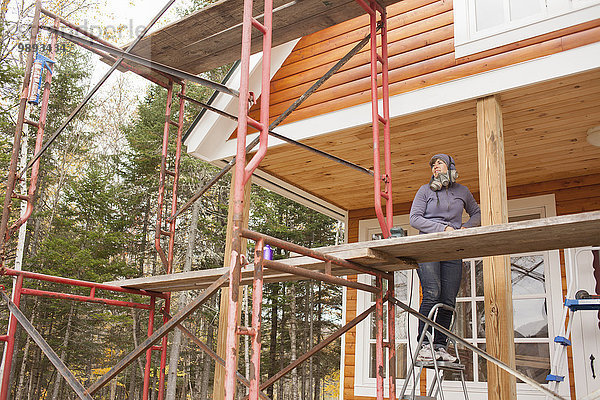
499,332
219,379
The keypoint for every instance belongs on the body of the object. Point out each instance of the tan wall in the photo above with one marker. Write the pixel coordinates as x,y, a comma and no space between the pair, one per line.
421,53
572,195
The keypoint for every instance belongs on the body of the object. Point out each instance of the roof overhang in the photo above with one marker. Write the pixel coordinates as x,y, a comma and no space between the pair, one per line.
211,138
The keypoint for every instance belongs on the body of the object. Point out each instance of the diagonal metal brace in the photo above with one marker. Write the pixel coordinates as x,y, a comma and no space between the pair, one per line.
46,349
143,61
279,120
214,355
156,336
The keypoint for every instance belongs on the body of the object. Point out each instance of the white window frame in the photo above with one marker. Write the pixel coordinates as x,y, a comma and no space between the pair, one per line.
558,14
364,386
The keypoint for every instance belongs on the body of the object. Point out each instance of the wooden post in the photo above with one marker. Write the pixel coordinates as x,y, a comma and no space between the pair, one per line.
499,337
219,379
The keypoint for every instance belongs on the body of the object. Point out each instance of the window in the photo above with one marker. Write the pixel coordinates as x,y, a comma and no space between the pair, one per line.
537,307
530,314
484,24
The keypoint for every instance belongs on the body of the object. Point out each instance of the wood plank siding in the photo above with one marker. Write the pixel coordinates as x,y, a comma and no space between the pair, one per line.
421,53
572,195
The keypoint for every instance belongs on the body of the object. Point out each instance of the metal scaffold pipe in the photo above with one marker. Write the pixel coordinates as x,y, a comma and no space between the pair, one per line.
279,120
144,61
96,87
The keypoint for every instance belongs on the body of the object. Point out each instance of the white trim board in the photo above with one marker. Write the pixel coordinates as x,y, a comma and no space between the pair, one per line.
581,59
555,16
213,129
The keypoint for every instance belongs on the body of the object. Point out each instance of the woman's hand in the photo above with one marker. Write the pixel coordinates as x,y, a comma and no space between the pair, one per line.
449,228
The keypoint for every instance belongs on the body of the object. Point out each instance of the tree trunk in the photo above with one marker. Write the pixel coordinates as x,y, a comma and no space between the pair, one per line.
284,316
319,325
136,322
246,337
21,384
294,386
33,373
273,337
207,363
142,250
310,341
63,353
176,346
132,385
113,389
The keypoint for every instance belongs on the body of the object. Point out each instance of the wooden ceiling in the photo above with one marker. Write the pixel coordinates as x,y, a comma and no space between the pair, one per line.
545,129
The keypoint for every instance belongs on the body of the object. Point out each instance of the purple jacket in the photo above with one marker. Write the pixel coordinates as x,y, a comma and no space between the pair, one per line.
433,211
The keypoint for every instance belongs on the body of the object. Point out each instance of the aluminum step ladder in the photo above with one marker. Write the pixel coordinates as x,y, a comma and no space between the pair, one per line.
440,367
574,301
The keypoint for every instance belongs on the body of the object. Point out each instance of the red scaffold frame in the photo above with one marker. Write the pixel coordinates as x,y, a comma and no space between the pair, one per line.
241,178
19,290
243,173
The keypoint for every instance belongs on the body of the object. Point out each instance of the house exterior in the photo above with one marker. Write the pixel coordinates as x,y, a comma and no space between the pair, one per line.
540,62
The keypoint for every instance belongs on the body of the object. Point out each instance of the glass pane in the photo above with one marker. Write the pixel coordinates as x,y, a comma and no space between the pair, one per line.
401,360
372,358
465,283
533,360
479,277
464,320
373,363
373,333
482,365
527,275
401,327
530,318
489,13
480,319
401,288
523,8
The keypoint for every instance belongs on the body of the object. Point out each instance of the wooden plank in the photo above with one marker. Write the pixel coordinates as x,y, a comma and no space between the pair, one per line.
199,51
497,284
312,68
199,279
350,26
210,37
518,237
399,27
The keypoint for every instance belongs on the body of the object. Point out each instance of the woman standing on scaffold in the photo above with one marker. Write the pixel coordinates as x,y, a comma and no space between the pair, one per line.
438,207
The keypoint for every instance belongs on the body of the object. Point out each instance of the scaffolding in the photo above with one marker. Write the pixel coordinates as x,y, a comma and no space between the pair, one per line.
168,77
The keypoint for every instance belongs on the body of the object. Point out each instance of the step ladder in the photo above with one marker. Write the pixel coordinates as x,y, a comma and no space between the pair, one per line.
440,367
574,301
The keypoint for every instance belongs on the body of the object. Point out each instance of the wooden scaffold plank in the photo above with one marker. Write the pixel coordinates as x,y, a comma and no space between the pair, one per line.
393,254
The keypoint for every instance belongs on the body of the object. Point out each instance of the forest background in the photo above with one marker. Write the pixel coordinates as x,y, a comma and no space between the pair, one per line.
94,218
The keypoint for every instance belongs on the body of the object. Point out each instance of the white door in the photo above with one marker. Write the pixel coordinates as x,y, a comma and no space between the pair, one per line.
585,331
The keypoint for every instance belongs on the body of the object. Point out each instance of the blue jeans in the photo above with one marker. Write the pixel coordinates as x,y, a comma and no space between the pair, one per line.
440,282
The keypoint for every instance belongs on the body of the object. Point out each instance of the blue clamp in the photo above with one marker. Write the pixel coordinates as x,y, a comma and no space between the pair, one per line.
555,378
562,340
